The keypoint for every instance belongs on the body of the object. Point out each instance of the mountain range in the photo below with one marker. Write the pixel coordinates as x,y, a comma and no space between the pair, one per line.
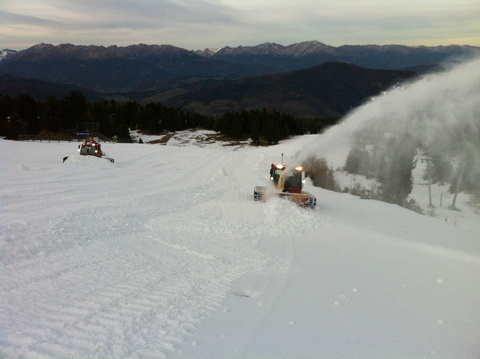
311,53
212,80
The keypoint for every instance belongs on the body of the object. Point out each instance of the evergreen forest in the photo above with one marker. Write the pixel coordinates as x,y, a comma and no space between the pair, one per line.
22,116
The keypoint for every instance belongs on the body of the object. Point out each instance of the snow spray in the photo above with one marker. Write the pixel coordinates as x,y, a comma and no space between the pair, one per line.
438,114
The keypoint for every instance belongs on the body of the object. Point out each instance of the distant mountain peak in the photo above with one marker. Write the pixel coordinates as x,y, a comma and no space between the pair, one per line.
267,48
5,53
308,47
207,52
272,49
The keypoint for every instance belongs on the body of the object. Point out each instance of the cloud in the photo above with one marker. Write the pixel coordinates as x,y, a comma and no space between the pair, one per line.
8,18
93,21
141,14
208,23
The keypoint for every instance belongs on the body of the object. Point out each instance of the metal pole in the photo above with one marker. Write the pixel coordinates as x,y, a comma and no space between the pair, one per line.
429,185
457,187
429,168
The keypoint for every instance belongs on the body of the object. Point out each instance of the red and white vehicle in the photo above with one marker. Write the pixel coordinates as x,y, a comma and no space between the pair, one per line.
91,148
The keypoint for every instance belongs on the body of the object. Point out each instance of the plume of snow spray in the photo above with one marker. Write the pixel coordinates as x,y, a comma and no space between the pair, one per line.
438,114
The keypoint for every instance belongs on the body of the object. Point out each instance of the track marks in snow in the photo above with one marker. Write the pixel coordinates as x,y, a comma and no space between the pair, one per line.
135,262
184,249
150,302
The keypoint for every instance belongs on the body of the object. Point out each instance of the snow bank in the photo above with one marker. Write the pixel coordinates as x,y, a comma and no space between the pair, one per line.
88,162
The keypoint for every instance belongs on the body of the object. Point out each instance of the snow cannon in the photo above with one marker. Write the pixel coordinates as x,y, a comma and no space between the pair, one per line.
286,182
91,148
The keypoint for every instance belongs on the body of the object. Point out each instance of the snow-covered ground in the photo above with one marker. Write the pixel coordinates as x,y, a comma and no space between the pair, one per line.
164,254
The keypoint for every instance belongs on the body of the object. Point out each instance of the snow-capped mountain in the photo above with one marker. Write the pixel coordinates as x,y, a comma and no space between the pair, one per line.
316,47
271,49
207,52
5,53
262,49
308,48
310,53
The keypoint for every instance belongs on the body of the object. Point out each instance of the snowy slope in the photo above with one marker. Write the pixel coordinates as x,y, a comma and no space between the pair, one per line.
164,254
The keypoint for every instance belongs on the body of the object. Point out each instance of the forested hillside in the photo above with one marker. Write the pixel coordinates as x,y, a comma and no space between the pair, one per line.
22,115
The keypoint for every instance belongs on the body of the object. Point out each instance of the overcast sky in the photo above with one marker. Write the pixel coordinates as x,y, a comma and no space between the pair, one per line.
198,24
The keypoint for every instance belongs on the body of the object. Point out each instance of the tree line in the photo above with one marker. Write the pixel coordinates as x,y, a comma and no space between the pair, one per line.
391,160
23,115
